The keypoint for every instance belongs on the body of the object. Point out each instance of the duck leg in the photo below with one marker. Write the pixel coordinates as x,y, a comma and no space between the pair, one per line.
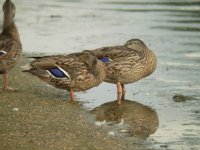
71,95
119,92
123,92
5,83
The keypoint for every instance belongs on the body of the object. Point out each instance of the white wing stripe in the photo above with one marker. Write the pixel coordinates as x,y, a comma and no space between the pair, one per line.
2,51
65,72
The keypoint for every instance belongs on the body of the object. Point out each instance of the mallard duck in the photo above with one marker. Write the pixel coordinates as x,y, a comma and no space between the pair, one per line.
10,45
73,72
126,64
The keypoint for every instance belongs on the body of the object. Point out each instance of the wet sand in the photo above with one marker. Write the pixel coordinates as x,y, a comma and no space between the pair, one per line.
37,116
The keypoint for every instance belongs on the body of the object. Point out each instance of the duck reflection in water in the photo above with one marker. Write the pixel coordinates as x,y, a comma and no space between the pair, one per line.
138,120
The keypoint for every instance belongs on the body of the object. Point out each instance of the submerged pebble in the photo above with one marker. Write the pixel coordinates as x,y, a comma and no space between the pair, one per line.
164,146
181,98
15,109
123,131
55,16
100,123
111,133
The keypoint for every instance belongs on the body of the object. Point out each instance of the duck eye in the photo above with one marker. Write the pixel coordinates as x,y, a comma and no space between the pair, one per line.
58,73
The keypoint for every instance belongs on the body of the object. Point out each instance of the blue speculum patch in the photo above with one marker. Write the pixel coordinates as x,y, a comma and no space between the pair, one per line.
105,59
56,72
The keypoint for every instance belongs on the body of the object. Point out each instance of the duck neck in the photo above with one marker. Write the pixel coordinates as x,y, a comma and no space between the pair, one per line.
9,27
94,69
8,18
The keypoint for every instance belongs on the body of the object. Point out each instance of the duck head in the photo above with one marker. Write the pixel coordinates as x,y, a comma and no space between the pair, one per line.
9,13
90,59
136,44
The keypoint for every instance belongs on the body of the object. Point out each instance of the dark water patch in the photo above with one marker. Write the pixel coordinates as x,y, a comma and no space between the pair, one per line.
191,37
164,146
182,29
191,124
52,5
184,21
55,16
170,3
184,15
71,1
182,98
150,10
196,112
192,44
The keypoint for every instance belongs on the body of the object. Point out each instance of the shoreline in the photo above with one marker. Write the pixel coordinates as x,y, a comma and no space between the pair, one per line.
37,116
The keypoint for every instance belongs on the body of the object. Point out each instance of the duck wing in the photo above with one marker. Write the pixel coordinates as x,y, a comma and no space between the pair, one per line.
58,66
116,53
9,49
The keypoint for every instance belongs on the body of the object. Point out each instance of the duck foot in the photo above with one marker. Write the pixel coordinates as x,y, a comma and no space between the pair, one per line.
9,89
5,83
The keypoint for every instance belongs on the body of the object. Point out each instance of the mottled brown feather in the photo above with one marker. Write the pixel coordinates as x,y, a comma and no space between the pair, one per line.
129,62
81,76
9,39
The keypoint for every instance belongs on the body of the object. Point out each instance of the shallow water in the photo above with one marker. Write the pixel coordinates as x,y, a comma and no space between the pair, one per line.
170,28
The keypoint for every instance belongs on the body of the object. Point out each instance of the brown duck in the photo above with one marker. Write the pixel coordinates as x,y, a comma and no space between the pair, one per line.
73,72
10,45
126,64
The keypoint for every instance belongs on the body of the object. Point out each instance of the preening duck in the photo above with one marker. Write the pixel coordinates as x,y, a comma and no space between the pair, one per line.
73,72
126,63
